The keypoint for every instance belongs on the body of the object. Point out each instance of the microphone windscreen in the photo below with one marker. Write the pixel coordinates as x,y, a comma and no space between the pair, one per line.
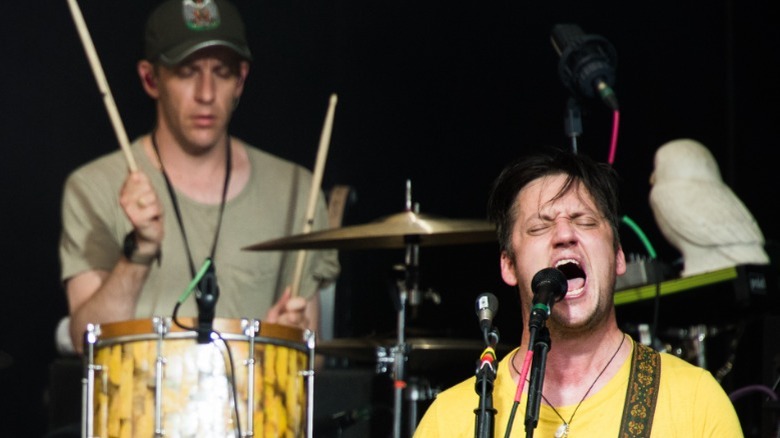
550,281
486,301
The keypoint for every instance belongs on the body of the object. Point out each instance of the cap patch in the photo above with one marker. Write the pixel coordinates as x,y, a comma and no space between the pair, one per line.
200,14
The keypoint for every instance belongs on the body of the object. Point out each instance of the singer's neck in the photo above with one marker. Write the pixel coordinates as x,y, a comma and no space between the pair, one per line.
574,362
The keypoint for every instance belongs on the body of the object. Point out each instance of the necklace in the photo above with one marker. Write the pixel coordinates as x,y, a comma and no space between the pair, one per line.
563,429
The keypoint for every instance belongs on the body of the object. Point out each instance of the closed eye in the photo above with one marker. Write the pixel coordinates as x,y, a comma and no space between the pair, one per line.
538,229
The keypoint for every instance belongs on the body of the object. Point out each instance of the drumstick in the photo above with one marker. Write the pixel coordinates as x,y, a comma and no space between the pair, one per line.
315,188
100,77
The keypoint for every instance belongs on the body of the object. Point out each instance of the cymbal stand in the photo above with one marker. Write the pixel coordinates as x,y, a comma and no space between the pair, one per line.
407,289
399,359
407,283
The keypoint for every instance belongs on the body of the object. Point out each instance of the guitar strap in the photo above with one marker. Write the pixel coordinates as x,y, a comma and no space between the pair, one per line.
642,392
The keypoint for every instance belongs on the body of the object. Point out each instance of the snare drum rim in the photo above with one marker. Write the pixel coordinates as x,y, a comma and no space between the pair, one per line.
229,330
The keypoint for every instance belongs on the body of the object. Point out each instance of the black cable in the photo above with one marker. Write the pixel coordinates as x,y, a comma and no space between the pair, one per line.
175,318
656,302
511,419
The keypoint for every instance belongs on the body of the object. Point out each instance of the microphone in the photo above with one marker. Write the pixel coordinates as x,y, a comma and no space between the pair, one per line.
549,286
486,308
587,63
206,296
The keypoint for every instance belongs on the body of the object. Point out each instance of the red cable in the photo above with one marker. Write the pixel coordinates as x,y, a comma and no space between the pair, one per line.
523,373
613,142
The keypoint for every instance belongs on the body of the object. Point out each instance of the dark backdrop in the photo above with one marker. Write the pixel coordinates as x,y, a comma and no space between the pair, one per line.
440,93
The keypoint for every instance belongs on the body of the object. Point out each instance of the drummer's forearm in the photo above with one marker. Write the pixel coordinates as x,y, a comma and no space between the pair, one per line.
98,297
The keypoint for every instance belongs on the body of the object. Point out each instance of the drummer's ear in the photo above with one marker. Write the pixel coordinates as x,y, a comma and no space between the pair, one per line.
148,79
150,82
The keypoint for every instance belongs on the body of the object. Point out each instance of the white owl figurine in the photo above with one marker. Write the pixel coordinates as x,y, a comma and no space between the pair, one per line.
699,214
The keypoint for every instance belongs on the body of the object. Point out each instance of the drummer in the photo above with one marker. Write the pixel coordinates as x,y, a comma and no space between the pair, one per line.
131,242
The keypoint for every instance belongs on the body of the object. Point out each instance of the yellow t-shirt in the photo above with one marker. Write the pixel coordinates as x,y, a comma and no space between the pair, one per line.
690,404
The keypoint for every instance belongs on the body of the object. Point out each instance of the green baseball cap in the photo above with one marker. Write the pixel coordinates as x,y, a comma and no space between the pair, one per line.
178,28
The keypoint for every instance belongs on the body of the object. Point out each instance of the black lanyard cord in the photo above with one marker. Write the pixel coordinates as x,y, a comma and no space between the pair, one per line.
172,193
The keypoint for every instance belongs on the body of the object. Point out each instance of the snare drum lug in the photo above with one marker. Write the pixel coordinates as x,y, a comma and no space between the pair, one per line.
310,339
161,325
92,333
250,327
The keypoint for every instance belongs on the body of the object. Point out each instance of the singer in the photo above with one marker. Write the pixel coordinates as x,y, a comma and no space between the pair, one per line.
560,210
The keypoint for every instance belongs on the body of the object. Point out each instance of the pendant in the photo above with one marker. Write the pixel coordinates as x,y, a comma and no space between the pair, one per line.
563,431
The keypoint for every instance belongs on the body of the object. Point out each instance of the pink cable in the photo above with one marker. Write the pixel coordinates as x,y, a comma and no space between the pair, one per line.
613,143
523,373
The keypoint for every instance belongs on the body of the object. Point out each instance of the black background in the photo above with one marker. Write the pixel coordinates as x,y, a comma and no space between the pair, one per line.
440,93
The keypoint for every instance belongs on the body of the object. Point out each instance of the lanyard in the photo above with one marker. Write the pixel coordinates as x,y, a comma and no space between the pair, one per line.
175,202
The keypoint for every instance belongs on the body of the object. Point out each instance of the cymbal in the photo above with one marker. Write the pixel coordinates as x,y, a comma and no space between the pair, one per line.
424,353
394,231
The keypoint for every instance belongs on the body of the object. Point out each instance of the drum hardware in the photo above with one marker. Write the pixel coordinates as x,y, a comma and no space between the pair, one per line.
423,354
406,287
385,357
195,384
160,329
417,390
693,339
88,384
432,296
408,230
688,343
250,330
407,284
309,338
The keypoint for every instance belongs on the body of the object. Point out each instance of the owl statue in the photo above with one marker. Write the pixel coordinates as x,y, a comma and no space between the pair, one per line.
699,214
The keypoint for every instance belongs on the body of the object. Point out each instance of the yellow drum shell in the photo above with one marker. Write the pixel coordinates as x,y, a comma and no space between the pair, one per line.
197,389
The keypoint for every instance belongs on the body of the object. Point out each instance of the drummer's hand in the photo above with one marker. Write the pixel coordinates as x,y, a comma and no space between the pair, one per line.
289,310
142,206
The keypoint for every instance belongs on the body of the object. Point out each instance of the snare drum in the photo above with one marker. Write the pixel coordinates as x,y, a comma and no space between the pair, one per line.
147,378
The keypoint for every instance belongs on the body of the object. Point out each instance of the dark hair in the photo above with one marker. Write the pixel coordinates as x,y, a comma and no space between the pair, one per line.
600,179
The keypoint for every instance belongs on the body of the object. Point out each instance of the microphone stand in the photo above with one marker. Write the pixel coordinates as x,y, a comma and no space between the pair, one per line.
572,122
541,347
486,376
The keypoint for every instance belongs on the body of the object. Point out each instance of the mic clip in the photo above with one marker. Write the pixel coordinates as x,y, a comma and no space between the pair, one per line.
539,314
206,295
491,336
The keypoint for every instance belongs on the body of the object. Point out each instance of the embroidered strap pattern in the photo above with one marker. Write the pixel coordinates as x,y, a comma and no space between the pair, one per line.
642,393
